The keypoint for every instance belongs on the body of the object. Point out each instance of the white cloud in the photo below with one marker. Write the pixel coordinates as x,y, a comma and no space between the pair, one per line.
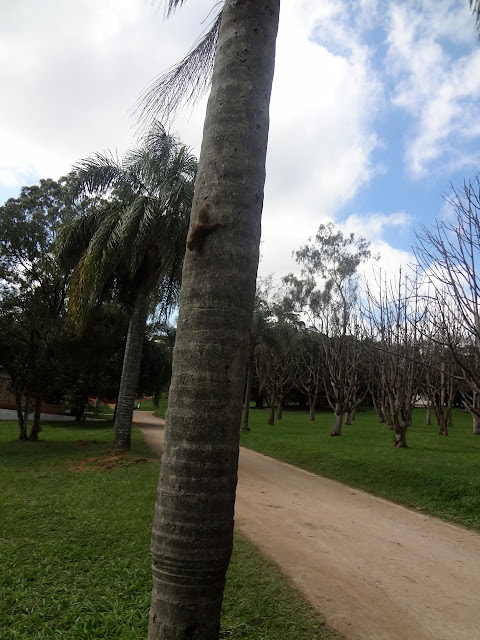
372,226
321,133
72,71
438,89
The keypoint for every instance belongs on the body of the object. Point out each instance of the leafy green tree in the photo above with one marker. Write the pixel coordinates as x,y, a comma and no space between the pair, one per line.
326,293
193,527
132,244
32,292
156,365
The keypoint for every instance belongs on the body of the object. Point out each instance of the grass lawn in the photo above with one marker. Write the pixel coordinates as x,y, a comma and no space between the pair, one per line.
437,474
74,546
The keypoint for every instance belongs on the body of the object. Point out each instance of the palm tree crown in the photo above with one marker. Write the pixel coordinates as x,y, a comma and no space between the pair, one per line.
132,244
135,236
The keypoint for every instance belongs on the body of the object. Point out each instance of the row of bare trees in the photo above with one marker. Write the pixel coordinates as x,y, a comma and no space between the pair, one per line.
395,342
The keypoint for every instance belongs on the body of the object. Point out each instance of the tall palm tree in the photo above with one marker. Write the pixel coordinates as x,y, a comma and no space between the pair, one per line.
193,526
133,242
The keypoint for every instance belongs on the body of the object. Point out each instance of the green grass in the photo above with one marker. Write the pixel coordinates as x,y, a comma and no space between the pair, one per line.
74,546
436,474
147,404
162,406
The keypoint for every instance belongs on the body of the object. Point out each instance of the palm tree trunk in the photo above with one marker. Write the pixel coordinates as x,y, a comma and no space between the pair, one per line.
192,534
130,371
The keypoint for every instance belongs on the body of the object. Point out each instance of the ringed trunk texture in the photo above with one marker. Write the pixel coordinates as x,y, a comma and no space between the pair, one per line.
130,372
192,533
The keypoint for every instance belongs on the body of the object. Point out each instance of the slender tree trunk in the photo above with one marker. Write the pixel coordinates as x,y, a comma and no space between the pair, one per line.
280,409
271,414
337,424
259,401
36,428
400,433
22,416
248,391
312,401
130,372
442,425
476,427
192,534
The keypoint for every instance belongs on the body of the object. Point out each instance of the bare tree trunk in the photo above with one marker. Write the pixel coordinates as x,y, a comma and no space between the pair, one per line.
476,427
280,409
248,391
192,533
130,372
22,415
312,401
401,434
428,415
337,424
443,425
271,415
36,428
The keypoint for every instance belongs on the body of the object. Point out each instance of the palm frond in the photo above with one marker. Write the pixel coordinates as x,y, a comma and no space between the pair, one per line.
475,7
172,6
97,174
184,83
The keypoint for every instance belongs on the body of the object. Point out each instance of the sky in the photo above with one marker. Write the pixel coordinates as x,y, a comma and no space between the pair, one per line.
374,114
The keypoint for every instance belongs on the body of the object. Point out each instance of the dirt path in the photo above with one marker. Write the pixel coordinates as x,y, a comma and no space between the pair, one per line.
375,570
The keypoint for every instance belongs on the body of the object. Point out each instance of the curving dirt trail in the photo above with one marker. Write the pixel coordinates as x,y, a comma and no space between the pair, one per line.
374,569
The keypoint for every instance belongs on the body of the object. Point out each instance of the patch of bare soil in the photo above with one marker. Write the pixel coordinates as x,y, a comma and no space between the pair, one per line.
109,460
375,570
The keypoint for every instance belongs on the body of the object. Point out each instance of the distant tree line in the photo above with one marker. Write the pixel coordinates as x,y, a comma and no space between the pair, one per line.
84,262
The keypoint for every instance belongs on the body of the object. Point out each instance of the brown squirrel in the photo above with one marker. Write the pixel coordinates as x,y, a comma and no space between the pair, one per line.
201,229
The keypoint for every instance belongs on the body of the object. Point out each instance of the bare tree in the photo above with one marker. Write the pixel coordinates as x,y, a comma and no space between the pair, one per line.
276,365
394,316
449,253
311,364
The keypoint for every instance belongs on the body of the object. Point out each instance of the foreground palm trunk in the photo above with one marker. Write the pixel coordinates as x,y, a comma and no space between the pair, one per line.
193,527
